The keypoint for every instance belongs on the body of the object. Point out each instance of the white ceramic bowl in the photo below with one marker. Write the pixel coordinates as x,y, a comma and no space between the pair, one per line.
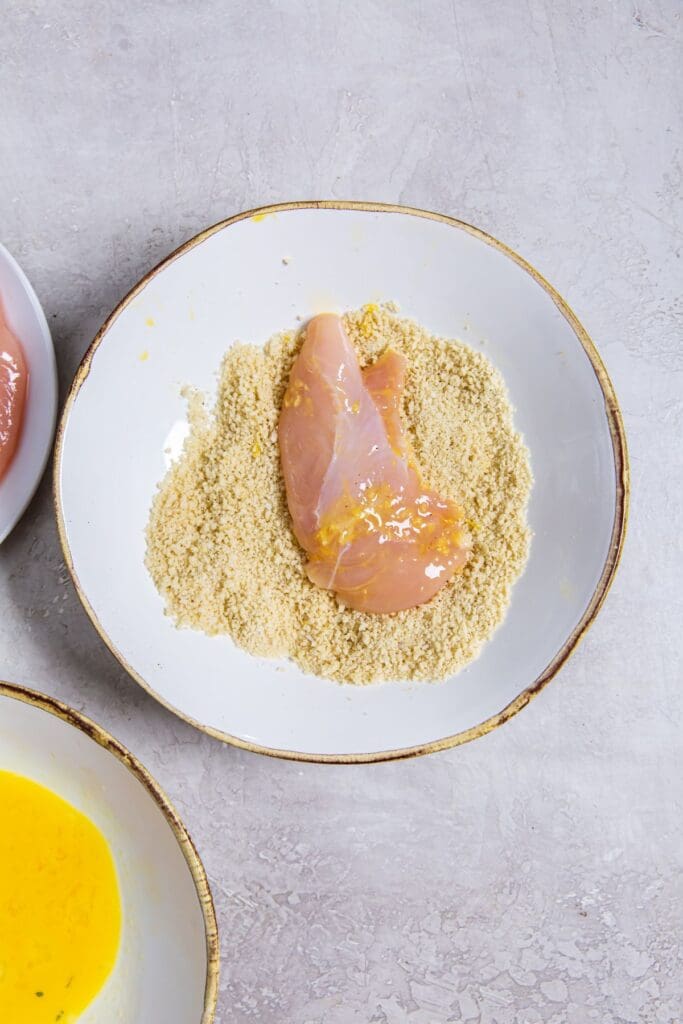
245,279
167,967
26,318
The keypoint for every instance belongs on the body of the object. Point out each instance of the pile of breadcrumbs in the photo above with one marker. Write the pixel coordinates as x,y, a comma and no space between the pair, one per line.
220,547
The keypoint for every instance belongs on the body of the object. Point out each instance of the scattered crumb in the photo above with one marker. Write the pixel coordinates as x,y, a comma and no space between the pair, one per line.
286,260
219,542
144,356
149,322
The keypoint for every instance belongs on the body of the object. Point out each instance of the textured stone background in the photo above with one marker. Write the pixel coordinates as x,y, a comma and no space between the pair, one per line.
537,874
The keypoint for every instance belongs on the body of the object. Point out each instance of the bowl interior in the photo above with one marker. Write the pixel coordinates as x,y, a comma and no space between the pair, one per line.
161,972
27,320
245,281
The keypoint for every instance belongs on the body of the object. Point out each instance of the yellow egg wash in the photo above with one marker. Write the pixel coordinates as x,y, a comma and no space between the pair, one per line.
60,908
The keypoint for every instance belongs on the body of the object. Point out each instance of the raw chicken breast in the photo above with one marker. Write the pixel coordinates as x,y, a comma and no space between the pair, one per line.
373,532
13,386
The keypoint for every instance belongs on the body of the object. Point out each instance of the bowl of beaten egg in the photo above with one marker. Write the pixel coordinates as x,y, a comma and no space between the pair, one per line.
349,537
105,911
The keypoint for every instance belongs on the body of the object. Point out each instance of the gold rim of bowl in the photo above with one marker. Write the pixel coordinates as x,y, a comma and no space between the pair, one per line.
104,739
621,470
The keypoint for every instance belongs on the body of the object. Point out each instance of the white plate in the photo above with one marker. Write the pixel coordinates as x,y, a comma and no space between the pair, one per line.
27,320
231,283
167,967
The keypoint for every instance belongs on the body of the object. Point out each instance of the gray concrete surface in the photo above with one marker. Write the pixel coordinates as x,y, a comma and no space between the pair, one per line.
535,875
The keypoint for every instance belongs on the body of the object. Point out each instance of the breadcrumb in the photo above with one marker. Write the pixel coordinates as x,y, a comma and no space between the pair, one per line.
220,547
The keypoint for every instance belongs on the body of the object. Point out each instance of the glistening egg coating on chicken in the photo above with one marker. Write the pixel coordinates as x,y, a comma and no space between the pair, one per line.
221,542
374,532
60,908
